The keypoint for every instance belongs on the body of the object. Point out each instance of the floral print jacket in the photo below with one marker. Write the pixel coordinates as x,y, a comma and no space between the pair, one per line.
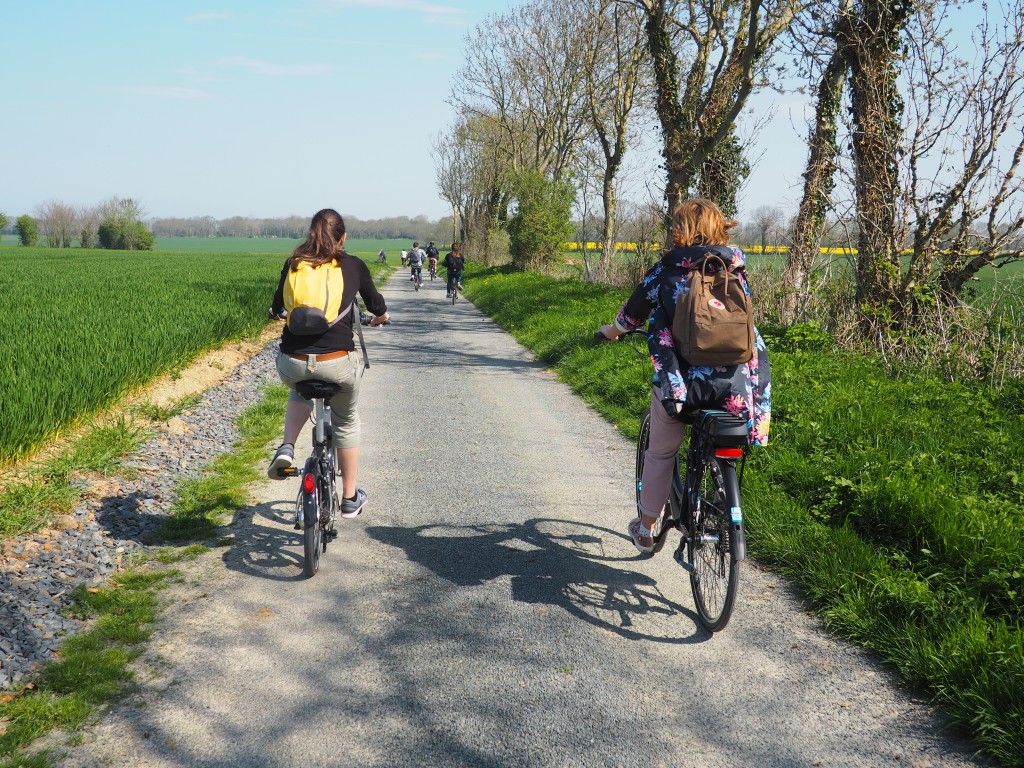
743,390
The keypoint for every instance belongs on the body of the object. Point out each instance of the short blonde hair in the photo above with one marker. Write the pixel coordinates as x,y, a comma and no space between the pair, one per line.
699,221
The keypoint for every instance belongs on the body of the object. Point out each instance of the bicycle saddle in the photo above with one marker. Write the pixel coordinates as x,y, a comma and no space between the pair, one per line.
723,428
315,389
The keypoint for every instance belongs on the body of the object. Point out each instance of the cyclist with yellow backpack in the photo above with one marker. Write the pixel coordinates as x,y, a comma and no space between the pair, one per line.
317,296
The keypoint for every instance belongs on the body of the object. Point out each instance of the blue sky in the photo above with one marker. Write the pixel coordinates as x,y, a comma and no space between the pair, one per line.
253,108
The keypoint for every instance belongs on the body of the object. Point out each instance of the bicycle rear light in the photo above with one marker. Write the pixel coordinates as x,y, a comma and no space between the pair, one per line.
728,453
309,482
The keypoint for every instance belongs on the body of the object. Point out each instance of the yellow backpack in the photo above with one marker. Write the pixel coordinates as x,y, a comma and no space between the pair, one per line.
312,297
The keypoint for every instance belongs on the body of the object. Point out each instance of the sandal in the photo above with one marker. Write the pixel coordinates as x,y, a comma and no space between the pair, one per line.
641,536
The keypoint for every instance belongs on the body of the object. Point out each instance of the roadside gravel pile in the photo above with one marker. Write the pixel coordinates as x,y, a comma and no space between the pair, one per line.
39,571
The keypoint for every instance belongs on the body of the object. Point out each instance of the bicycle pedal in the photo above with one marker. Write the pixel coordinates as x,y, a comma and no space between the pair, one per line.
288,472
679,558
331,535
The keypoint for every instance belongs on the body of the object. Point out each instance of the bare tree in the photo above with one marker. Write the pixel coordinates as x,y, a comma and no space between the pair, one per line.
707,56
645,224
823,151
934,166
770,222
616,78
88,222
470,177
526,69
57,223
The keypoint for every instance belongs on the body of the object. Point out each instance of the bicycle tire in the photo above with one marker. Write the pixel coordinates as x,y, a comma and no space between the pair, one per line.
312,546
715,573
660,532
455,296
312,524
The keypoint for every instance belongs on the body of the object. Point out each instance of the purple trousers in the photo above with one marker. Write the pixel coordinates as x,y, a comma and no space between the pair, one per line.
666,437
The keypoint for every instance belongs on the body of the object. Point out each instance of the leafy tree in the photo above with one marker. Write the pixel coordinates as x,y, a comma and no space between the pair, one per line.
541,223
125,236
28,230
121,228
3,223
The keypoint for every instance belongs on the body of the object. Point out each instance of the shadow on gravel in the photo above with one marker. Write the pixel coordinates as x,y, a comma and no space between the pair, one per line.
552,562
266,552
127,517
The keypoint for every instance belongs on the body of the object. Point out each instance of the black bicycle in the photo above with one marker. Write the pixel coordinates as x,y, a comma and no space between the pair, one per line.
317,504
705,506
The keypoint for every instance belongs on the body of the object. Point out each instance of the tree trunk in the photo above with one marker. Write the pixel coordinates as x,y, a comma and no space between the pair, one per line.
667,104
871,44
818,184
608,231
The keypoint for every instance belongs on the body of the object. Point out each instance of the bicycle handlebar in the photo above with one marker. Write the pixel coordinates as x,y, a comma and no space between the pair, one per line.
600,338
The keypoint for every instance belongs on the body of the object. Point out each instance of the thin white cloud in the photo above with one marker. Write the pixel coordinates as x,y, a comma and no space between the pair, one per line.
166,92
417,6
212,16
277,70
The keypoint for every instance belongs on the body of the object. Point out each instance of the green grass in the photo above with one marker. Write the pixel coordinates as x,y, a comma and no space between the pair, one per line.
203,503
26,506
91,325
93,666
896,505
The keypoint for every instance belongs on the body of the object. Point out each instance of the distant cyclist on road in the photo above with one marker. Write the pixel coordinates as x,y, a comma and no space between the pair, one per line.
382,257
417,257
432,255
455,263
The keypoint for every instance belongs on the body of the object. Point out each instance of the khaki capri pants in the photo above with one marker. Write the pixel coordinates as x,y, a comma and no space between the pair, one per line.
346,371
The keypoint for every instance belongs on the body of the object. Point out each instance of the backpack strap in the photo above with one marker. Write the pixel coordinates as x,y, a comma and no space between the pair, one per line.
359,329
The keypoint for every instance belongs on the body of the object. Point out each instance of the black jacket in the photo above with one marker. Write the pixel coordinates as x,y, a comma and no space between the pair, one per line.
339,336
454,264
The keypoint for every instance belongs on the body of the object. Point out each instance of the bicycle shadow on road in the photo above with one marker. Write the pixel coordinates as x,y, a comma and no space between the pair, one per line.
551,562
266,551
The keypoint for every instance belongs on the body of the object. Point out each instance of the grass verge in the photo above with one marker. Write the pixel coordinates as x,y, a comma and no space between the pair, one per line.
49,489
203,502
93,667
896,505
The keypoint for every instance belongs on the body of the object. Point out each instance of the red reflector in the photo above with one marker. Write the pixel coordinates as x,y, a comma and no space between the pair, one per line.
309,483
728,453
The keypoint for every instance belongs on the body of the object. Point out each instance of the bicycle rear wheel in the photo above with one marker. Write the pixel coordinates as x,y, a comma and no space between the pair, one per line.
312,529
455,295
716,571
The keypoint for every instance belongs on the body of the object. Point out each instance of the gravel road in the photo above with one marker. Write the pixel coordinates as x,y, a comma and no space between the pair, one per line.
487,608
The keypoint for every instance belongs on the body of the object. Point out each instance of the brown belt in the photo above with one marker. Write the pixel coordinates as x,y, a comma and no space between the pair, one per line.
319,358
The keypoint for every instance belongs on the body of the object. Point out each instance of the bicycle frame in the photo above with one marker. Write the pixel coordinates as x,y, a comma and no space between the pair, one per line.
723,439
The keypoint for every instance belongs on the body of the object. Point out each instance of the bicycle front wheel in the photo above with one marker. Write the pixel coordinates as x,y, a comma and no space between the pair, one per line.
716,571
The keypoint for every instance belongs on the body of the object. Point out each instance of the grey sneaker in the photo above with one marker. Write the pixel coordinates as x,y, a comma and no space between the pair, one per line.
351,508
283,459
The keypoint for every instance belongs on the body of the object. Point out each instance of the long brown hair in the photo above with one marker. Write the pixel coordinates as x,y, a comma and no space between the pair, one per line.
323,243
698,221
455,249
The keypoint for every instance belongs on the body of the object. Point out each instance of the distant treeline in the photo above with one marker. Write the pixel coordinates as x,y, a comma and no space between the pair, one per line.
395,227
